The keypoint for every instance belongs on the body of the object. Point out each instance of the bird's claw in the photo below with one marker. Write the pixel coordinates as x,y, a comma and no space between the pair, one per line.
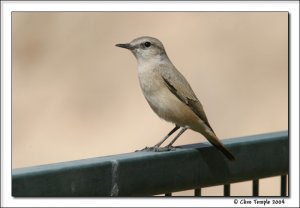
157,149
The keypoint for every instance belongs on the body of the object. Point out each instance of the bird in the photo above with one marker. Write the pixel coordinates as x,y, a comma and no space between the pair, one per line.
169,94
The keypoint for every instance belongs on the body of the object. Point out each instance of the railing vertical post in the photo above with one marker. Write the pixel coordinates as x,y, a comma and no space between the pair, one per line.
198,192
226,189
255,187
283,185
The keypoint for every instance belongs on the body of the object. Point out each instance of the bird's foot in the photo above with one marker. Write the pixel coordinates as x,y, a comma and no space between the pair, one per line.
149,149
157,149
167,148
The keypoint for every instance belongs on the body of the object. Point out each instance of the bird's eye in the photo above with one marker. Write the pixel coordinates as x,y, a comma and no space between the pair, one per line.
147,44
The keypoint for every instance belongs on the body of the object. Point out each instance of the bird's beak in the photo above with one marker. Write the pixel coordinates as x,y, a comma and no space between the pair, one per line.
126,45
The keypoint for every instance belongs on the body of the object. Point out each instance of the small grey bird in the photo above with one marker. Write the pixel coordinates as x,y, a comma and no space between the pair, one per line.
168,92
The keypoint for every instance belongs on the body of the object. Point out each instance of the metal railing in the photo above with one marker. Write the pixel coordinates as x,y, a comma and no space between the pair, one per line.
150,173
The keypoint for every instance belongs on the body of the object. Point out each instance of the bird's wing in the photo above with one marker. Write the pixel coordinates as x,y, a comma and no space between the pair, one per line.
179,86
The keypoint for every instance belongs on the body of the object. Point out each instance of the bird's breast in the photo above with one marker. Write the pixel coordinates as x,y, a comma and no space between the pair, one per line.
150,81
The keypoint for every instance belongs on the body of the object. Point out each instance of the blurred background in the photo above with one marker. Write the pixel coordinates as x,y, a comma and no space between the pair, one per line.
75,95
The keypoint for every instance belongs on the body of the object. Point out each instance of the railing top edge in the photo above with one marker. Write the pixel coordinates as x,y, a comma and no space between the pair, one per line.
135,155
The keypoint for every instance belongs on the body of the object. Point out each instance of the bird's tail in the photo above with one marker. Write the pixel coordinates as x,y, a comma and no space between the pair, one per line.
213,139
225,151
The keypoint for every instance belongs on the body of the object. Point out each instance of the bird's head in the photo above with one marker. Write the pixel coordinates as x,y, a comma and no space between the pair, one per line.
145,48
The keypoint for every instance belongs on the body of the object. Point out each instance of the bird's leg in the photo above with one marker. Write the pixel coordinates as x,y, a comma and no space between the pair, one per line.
156,147
166,137
169,146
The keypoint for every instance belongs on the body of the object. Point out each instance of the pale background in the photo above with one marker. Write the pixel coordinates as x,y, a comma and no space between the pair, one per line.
76,95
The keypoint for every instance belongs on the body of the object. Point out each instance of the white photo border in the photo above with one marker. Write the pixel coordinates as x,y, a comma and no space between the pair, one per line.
8,7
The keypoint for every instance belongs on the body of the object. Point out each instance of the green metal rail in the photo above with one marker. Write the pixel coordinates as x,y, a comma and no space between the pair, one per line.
150,173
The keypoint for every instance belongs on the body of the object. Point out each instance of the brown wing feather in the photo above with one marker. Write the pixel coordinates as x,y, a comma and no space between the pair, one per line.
189,98
193,103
